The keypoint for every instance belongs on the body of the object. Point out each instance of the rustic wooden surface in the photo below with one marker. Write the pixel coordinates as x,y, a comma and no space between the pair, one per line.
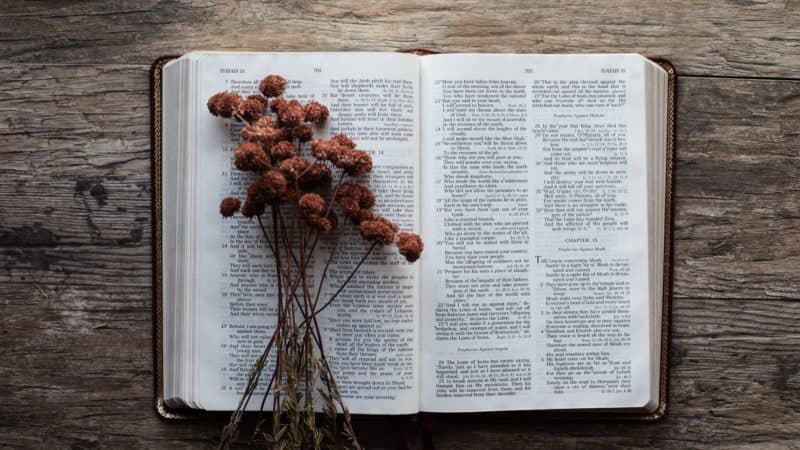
75,333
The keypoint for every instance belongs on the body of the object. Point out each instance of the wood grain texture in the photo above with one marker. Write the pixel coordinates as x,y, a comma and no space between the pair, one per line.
737,211
745,38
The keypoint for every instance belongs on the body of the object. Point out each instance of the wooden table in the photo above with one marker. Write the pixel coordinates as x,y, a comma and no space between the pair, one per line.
75,333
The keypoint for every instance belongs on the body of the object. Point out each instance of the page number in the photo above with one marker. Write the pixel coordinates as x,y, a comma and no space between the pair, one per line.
317,69
528,70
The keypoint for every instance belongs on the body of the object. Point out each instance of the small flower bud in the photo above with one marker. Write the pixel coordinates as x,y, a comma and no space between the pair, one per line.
229,206
282,150
343,140
272,85
294,166
311,204
224,104
304,133
316,112
250,156
292,115
409,245
378,229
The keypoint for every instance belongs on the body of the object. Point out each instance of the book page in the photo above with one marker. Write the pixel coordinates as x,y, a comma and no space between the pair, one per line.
370,331
534,288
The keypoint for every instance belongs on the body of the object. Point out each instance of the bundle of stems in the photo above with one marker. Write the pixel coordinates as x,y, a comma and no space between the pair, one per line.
296,206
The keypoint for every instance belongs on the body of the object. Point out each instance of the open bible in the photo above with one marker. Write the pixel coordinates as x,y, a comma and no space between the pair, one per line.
541,186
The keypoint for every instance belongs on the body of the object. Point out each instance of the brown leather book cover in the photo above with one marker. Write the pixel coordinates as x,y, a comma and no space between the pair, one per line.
166,412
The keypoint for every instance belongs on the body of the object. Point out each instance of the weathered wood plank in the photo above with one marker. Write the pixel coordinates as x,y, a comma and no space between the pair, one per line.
78,121
737,211
74,150
77,371
745,38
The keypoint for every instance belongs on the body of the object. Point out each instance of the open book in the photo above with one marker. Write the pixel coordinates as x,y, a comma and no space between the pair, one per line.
540,185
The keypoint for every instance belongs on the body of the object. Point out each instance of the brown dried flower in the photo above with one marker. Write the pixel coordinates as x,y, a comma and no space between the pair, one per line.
316,176
311,204
354,162
274,182
316,112
292,115
251,208
272,85
265,135
253,108
353,197
323,224
378,229
266,121
277,104
304,133
325,150
294,166
224,104
270,187
282,150
250,156
409,245
229,206
343,140
362,215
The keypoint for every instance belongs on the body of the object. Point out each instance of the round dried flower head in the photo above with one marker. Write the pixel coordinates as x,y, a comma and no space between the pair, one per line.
326,150
316,112
229,206
250,156
224,104
362,215
409,245
353,198
265,122
311,204
354,162
318,175
272,85
378,229
264,135
252,208
274,183
343,140
322,224
366,198
304,133
259,98
294,166
253,108
277,104
282,150
292,115
256,195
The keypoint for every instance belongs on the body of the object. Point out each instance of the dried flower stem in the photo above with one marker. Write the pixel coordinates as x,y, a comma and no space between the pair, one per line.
272,150
346,281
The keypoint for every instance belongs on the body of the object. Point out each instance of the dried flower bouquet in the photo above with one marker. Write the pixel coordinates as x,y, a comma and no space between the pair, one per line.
296,204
